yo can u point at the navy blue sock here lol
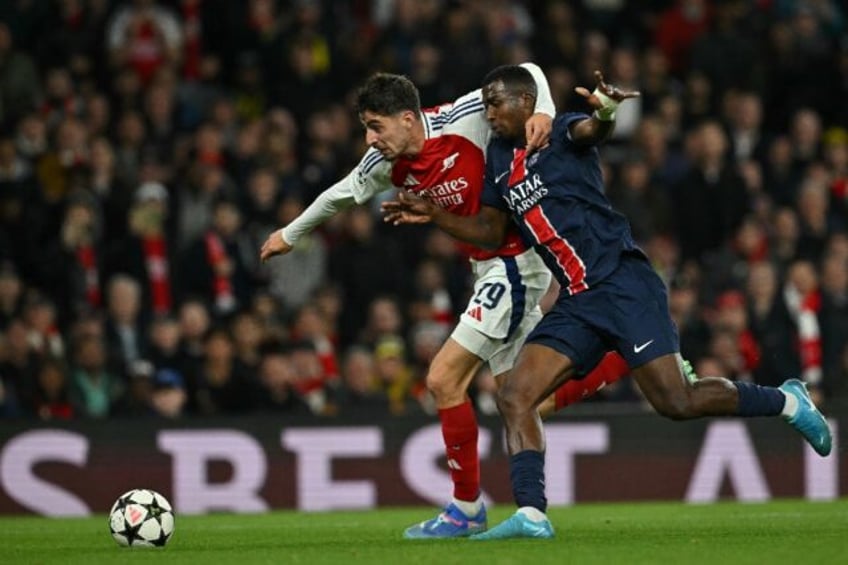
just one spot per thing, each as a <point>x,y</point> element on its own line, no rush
<point>756,400</point>
<point>527,475</point>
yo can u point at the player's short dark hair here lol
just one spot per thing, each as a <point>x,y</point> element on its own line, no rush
<point>515,78</point>
<point>387,94</point>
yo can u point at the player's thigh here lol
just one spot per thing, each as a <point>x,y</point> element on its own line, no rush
<point>661,379</point>
<point>454,365</point>
<point>503,358</point>
<point>632,311</point>
<point>538,371</point>
<point>505,290</point>
<point>566,329</point>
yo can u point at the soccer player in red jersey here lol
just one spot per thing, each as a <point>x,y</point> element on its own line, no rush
<point>440,153</point>
<point>611,294</point>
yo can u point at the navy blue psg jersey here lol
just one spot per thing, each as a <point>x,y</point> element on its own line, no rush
<point>556,197</point>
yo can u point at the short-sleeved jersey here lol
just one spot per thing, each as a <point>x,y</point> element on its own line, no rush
<point>449,169</point>
<point>556,198</point>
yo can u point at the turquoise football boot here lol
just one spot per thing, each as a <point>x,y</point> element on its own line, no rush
<point>809,422</point>
<point>518,526</point>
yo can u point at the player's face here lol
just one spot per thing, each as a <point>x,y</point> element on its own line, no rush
<point>390,135</point>
<point>506,111</point>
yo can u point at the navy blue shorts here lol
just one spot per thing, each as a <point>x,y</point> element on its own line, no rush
<point>626,312</point>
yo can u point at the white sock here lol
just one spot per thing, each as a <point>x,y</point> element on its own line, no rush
<point>470,509</point>
<point>534,514</point>
<point>790,407</point>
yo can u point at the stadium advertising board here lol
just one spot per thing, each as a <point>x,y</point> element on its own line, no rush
<point>256,464</point>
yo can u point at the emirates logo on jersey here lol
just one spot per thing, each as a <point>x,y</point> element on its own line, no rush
<point>448,193</point>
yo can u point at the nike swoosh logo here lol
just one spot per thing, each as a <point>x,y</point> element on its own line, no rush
<point>638,348</point>
<point>500,176</point>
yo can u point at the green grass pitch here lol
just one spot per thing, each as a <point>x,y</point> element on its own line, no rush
<point>668,533</point>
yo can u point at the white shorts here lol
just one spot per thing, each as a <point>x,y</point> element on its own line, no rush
<point>503,309</point>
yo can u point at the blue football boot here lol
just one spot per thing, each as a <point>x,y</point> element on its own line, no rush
<point>451,523</point>
<point>808,420</point>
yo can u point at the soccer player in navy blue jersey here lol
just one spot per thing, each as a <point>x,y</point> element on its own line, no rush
<point>441,152</point>
<point>610,299</point>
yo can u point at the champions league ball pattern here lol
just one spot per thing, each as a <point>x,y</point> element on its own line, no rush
<point>141,518</point>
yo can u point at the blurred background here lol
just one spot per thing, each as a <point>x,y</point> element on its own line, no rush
<point>148,147</point>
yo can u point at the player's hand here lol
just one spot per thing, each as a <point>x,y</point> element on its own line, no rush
<point>537,131</point>
<point>608,90</point>
<point>409,208</point>
<point>274,245</point>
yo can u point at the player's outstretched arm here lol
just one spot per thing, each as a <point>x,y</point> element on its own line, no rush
<point>329,203</point>
<point>605,100</point>
<point>486,229</point>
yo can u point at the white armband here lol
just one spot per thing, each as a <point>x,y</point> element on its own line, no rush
<point>606,113</point>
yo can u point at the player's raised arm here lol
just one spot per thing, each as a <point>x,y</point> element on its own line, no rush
<point>538,128</point>
<point>605,100</point>
<point>486,229</point>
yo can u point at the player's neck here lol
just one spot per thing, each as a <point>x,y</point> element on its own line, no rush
<point>416,141</point>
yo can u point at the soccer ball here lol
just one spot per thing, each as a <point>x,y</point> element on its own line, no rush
<point>141,518</point>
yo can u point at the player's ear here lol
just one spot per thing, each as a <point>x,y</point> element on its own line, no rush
<point>409,117</point>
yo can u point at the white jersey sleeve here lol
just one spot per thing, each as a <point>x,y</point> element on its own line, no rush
<point>467,115</point>
<point>544,100</point>
<point>371,176</point>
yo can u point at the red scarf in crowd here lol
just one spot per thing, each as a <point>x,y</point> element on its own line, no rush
<point>156,263</point>
<point>809,339</point>
<point>88,261</point>
<point>192,47</point>
<point>222,287</point>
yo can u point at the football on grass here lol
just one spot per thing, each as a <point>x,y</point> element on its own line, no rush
<point>141,518</point>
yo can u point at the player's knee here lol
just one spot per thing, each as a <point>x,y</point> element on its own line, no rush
<point>442,384</point>
<point>512,399</point>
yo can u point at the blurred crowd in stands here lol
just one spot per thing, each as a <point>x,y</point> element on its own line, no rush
<point>148,147</point>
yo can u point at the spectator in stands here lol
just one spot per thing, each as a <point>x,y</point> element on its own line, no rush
<point>215,265</point>
<point>248,337</point>
<point>194,323</point>
<point>146,253</point>
<point>360,386</point>
<point>815,220</point>
<point>833,318</point>
<point>358,266</point>
<point>125,327</point>
<point>223,385</point>
<point>144,36</point>
<point>294,277</point>
<point>95,392</point>
<point>164,343</point>
<point>771,327</point>
<point>710,201</point>
<point>19,84</point>
<point>51,399</point>
<point>18,368</point>
<point>168,396</point>
<point>11,294</point>
<point>395,376</point>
